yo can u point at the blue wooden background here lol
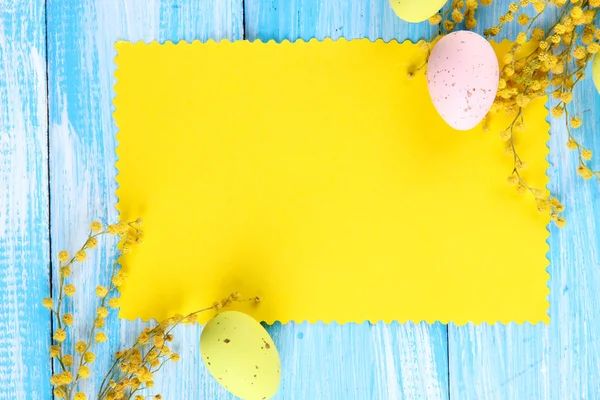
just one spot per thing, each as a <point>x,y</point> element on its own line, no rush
<point>57,174</point>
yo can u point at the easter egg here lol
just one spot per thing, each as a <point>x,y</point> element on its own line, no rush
<point>416,10</point>
<point>462,78</point>
<point>596,71</point>
<point>239,353</point>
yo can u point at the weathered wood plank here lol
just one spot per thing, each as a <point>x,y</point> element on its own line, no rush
<point>351,361</point>
<point>81,37</point>
<point>560,360</point>
<point>305,19</point>
<point>24,244</point>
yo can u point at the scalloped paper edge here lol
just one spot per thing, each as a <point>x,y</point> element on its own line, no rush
<point>510,322</point>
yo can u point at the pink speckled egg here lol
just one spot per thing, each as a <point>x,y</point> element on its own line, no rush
<point>462,77</point>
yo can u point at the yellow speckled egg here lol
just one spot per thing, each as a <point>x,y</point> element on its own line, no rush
<point>416,10</point>
<point>596,71</point>
<point>239,353</point>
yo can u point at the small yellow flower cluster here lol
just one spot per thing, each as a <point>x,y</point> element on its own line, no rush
<point>134,369</point>
<point>63,393</point>
<point>101,291</point>
<point>462,11</point>
<point>541,62</point>
<point>73,370</point>
<point>96,226</point>
<point>47,302</point>
<point>80,347</point>
<point>551,63</point>
<point>119,279</point>
<point>114,302</point>
<point>69,290</point>
<point>54,351</point>
<point>584,155</point>
<point>59,335</point>
<point>509,16</point>
<point>63,378</point>
<point>89,357</point>
<point>68,319</point>
<point>67,360</point>
<point>100,337</point>
<point>63,256</point>
<point>83,372</point>
<point>129,232</point>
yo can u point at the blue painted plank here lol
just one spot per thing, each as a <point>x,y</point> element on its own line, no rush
<point>348,362</point>
<point>362,361</point>
<point>82,144</point>
<point>560,360</point>
<point>498,362</point>
<point>81,37</point>
<point>351,361</point>
<point>24,244</point>
<point>293,19</point>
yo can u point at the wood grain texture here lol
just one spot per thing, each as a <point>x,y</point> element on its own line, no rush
<point>292,19</point>
<point>24,244</point>
<point>560,360</point>
<point>81,37</point>
<point>414,364</point>
<point>354,361</point>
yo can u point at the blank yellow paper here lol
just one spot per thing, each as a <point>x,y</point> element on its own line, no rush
<point>319,177</point>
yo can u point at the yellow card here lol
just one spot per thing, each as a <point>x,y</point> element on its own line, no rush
<point>319,177</point>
